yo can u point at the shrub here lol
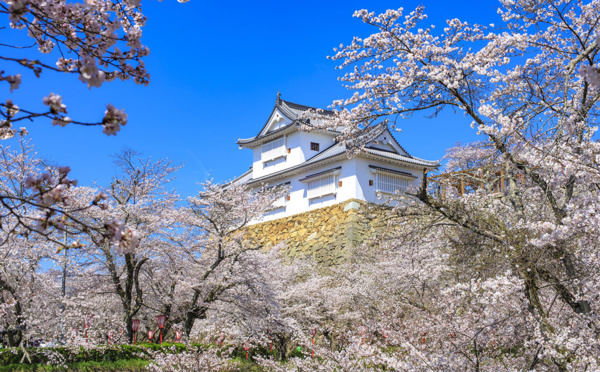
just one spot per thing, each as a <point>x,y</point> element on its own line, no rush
<point>77,354</point>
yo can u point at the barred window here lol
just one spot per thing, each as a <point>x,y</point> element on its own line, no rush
<point>273,150</point>
<point>320,187</point>
<point>390,183</point>
<point>314,146</point>
<point>279,202</point>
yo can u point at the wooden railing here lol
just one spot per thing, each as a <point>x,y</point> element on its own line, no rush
<point>467,181</point>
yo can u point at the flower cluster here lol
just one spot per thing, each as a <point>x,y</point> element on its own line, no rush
<point>13,80</point>
<point>47,190</point>
<point>6,129</point>
<point>590,74</point>
<point>113,119</point>
<point>89,72</point>
<point>125,238</point>
<point>103,39</point>
<point>17,8</point>
<point>100,197</point>
<point>55,103</point>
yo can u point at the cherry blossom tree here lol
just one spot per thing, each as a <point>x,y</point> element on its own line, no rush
<point>197,360</point>
<point>24,240</point>
<point>97,41</point>
<point>136,206</point>
<point>518,210</point>
<point>211,260</point>
<point>22,287</point>
<point>33,197</point>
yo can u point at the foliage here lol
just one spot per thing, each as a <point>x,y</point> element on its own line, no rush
<point>98,42</point>
<point>492,264</point>
<point>133,365</point>
<point>77,354</point>
<point>125,357</point>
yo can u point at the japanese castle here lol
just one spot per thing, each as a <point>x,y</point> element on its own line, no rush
<point>317,170</point>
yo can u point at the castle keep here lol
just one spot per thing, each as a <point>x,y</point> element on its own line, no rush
<point>325,187</point>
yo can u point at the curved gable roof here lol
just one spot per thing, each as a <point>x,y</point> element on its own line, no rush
<point>289,110</point>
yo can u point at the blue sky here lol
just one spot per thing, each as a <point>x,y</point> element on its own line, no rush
<point>215,71</point>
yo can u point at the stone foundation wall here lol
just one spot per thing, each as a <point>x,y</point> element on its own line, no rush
<point>324,233</point>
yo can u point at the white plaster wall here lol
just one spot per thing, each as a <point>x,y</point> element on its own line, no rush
<point>257,167</point>
<point>363,172</point>
<point>355,175</point>
<point>324,141</point>
<point>295,156</point>
<point>299,203</point>
<point>299,145</point>
<point>292,142</point>
<point>277,121</point>
<point>385,141</point>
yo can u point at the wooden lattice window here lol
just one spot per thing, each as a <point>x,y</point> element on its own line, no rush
<point>321,186</point>
<point>273,149</point>
<point>390,183</point>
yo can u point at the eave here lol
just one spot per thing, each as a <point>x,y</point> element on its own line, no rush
<point>297,169</point>
<point>415,163</point>
<point>395,158</point>
<point>375,169</point>
<point>250,143</point>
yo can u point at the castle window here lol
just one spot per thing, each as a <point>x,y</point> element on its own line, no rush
<point>390,183</point>
<point>277,207</point>
<point>321,183</point>
<point>273,150</point>
<point>314,146</point>
<point>320,187</point>
<point>279,202</point>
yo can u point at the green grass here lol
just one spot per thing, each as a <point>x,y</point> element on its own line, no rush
<point>133,365</point>
<point>247,365</point>
<point>130,362</point>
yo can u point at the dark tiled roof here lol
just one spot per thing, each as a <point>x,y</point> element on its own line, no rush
<point>278,185</point>
<point>398,143</point>
<point>250,140</point>
<point>243,178</point>
<point>390,151</point>
<point>299,107</point>
<point>376,130</point>
<point>392,171</point>
<point>291,111</point>
<point>320,173</point>
<point>392,155</point>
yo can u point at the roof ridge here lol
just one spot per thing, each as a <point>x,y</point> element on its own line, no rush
<point>411,159</point>
<point>302,107</point>
<point>286,110</point>
<point>385,127</point>
<point>398,143</point>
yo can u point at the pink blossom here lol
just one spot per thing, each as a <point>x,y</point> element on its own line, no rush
<point>55,103</point>
<point>15,81</point>
<point>113,119</point>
